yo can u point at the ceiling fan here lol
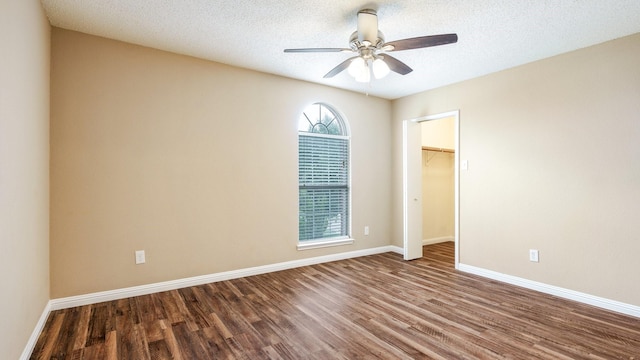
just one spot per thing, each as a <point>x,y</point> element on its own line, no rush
<point>368,42</point>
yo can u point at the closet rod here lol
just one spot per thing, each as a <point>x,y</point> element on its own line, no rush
<point>429,148</point>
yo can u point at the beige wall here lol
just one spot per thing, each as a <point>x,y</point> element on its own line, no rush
<point>439,133</point>
<point>438,196</point>
<point>24,172</point>
<point>195,162</point>
<point>553,150</point>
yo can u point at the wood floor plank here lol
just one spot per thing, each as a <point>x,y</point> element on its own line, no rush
<point>172,343</point>
<point>68,330</point>
<point>159,350</point>
<point>97,325</point>
<point>373,307</point>
<point>190,345</point>
<point>197,312</point>
<point>96,351</point>
<point>170,307</point>
<point>111,346</point>
<point>82,327</point>
<point>45,345</point>
<point>216,343</point>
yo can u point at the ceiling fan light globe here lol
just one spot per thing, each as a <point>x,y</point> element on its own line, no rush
<point>357,67</point>
<point>380,68</point>
<point>364,76</point>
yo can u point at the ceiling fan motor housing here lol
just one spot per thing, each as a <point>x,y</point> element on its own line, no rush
<point>367,26</point>
<point>356,44</point>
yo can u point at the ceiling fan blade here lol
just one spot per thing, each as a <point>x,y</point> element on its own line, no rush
<point>367,26</point>
<point>338,69</point>
<point>312,50</point>
<point>423,42</point>
<point>396,65</point>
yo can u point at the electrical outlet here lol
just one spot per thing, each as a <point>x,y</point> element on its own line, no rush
<point>366,230</point>
<point>533,255</point>
<point>140,258</point>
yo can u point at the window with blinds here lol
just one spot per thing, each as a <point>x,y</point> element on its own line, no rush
<point>323,175</point>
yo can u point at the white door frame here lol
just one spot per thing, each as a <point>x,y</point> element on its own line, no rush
<point>406,184</point>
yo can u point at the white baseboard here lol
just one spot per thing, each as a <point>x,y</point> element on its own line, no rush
<point>437,240</point>
<point>33,339</point>
<point>396,249</point>
<point>608,304</point>
<point>86,299</point>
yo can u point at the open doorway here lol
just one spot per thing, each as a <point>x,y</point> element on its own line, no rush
<point>438,179</point>
<point>413,169</point>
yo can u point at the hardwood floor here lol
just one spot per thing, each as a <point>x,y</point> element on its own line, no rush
<point>374,307</point>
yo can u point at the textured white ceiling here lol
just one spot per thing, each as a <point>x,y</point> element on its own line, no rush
<point>493,34</point>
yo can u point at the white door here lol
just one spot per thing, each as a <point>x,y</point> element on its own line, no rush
<point>412,189</point>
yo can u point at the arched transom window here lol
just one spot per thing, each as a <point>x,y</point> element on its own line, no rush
<point>320,119</point>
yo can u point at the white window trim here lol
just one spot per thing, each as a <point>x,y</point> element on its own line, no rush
<point>308,245</point>
<point>343,137</point>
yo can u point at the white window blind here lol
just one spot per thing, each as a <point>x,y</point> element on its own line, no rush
<point>323,187</point>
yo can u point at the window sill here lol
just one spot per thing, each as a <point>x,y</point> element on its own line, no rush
<point>308,245</point>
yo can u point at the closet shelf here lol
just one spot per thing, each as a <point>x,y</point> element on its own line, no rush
<point>429,148</point>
